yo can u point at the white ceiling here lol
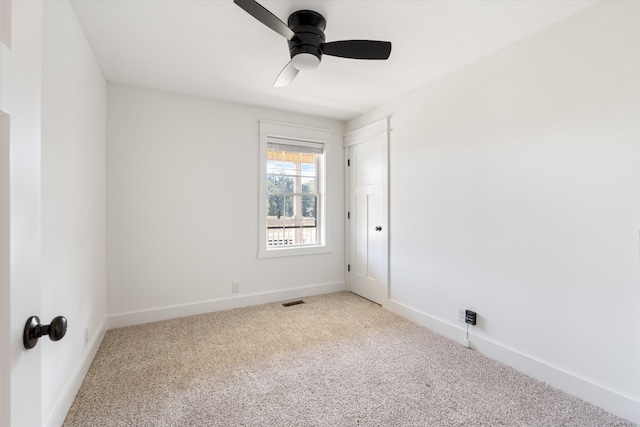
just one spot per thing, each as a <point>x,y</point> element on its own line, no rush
<point>214,49</point>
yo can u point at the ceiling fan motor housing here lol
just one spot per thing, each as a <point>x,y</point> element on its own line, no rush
<point>308,27</point>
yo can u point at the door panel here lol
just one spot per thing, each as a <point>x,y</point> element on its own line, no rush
<point>23,201</point>
<point>366,162</point>
<point>368,249</point>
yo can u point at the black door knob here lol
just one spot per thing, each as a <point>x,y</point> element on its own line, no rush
<point>378,228</point>
<point>33,330</point>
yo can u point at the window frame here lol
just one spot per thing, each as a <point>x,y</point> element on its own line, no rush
<point>290,134</point>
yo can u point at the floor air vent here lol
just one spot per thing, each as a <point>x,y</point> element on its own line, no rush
<point>289,304</point>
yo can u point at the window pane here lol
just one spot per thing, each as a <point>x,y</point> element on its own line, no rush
<point>292,193</point>
<point>288,206</point>
<point>309,231</point>
<point>280,184</point>
<point>275,206</point>
<point>275,167</point>
<point>309,185</point>
<point>290,168</point>
<point>309,169</point>
<point>271,184</point>
<point>279,206</point>
<point>309,204</point>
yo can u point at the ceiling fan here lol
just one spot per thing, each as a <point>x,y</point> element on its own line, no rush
<point>304,32</point>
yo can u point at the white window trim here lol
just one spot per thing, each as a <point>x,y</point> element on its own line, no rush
<point>275,130</point>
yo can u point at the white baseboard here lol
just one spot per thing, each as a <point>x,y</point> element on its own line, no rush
<point>609,400</point>
<point>69,393</point>
<point>172,312</point>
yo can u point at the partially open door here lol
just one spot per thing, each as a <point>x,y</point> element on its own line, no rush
<point>20,207</point>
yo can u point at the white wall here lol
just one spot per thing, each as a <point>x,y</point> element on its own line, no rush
<point>182,208</point>
<point>73,206</point>
<point>515,192</point>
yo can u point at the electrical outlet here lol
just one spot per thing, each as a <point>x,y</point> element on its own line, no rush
<point>235,287</point>
<point>470,317</point>
<point>461,314</point>
<point>86,336</point>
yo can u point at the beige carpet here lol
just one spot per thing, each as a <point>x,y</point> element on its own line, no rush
<point>337,360</point>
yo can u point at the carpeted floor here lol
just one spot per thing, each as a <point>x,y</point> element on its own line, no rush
<point>337,360</point>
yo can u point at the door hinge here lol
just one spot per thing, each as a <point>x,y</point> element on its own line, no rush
<point>348,162</point>
<point>348,267</point>
<point>348,215</point>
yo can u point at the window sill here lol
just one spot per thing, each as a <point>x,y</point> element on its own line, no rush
<point>293,251</point>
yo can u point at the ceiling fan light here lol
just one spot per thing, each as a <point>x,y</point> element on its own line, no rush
<point>305,61</point>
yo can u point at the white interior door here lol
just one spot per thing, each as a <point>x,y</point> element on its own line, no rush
<point>20,196</point>
<point>368,218</point>
<point>5,277</point>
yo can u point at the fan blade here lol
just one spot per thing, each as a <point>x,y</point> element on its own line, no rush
<point>286,76</point>
<point>259,12</point>
<point>358,49</point>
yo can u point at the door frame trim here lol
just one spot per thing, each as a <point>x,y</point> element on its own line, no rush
<point>367,132</point>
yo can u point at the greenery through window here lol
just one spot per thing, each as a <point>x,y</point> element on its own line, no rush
<point>293,173</point>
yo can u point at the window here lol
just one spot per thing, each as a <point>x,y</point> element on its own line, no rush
<point>293,198</point>
<point>293,183</point>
